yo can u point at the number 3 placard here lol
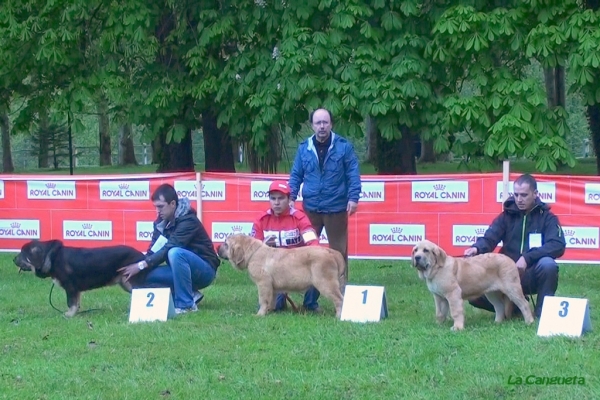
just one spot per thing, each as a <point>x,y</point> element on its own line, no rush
<point>154,304</point>
<point>364,304</point>
<point>564,316</point>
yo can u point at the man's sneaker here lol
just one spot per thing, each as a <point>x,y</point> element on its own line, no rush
<point>198,296</point>
<point>193,308</point>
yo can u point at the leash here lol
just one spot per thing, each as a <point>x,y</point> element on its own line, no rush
<point>62,312</point>
<point>50,299</point>
<point>294,307</point>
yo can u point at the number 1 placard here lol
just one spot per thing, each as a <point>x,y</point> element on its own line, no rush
<point>364,304</point>
<point>564,316</point>
<point>155,304</point>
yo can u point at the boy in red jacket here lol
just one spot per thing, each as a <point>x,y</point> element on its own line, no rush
<point>286,227</point>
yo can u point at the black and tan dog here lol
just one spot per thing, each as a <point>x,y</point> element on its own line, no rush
<point>77,269</point>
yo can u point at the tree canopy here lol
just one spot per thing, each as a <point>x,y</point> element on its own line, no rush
<point>453,72</point>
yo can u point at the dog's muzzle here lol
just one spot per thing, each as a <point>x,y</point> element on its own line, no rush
<point>421,263</point>
<point>221,252</point>
<point>23,266</point>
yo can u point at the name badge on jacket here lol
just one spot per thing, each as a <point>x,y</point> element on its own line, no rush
<point>535,240</point>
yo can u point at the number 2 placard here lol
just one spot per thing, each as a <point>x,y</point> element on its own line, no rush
<point>564,316</point>
<point>155,304</point>
<point>364,304</point>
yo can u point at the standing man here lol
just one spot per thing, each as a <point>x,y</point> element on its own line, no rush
<point>532,236</point>
<point>328,167</point>
<point>181,255</point>
<point>286,227</point>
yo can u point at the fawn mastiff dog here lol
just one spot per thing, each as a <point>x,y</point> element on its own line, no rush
<point>451,280</point>
<point>77,269</point>
<point>276,270</point>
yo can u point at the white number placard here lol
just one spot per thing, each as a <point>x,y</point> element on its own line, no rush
<point>153,304</point>
<point>564,316</point>
<point>364,304</point>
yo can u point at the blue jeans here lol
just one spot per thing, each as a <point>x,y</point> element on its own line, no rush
<point>185,273</point>
<point>310,300</point>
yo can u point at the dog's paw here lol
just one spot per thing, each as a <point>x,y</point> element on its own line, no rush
<point>71,312</point>
<point>457,328</point>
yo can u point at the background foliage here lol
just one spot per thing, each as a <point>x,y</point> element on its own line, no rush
<point>463,75</point>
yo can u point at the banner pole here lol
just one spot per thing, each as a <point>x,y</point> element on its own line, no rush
<point>505,181</point>
<point>199,196</point>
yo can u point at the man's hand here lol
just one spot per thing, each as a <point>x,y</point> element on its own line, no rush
<point>270,241</point>
<point>129,271</point>
<point>521,264</point>
<point>471,251</point>
<point>351,208</point>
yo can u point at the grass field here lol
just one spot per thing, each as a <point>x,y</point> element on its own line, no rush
<point>225,352</point>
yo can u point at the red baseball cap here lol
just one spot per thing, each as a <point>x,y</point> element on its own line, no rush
<point>280,186</point>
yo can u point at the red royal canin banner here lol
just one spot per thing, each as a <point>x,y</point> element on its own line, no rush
<point>394,213</point>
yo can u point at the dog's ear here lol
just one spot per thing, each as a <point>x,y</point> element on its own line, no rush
<point>53,246</point>
<point>412,257</point>
<point>440,255</point>
<point>236,253</point>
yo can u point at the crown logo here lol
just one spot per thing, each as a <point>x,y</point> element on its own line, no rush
<point>569,232</point>
<point>50,185</point>
<point>479,231</point>
<point>123,186</point>
<point>439,186</point>
<point>236,229</point>
<point>86,225</point>
<point>396,229</point>
<point>15,225</point>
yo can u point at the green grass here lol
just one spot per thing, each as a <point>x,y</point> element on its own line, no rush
<point>583,167</point>
<point>225,352</point>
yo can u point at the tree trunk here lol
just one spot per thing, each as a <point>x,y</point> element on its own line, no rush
<point>104,132</point>
<point>593,113</point>
<point>44,140</point>
<point>396,157</point>
<point>126,150</point>
<point>7,163</point>
<point>555,86</point>
<point>157,149</point>
<point>592,4</point>
<point>176,157</point>
<point>427,152</point>
<point>265,160</point>
<point>218,151</point>
<point>371,139</point>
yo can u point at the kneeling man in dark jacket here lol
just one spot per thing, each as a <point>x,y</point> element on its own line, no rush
<point>532,236</point>
<point>181,255</point>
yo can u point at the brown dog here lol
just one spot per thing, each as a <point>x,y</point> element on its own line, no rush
<point>279,270</point>
<point>451,280</point>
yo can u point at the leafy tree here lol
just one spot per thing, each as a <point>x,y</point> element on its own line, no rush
<point>452,73</point>
<point>582,29</point>
<point>56,137</point>
<point>491,46</point>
